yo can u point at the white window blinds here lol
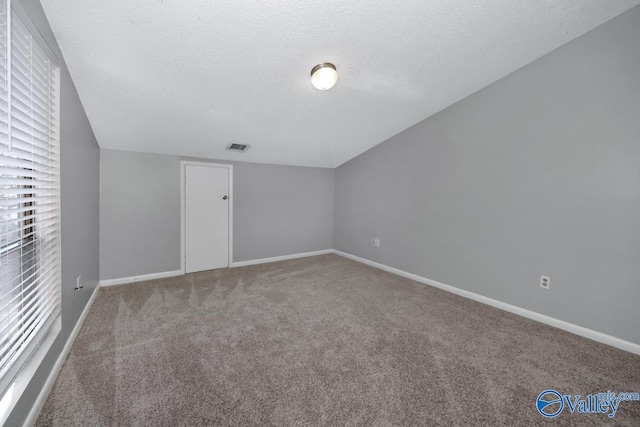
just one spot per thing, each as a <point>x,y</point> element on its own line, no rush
<point>29,192</point>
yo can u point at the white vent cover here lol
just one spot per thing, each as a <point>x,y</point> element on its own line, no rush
<point>237,147</point>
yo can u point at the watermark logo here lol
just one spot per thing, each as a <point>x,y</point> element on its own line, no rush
<point>550,403</point>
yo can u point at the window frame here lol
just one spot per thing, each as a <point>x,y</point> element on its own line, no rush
<point>37,346</point>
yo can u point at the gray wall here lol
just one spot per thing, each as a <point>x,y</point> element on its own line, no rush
<point>281,210</point>
<point>277,210</point>
<point>536,174</point>
<point>79,155</point>
<point>139,214</point>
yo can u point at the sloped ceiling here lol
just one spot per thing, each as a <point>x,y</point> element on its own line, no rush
<point>188,77</point>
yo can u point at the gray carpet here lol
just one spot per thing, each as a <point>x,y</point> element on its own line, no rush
<point>321,341</point>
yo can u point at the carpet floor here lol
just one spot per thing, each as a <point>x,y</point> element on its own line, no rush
<point>321,341</point>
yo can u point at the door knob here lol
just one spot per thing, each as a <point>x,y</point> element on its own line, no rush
<point>224,197</point>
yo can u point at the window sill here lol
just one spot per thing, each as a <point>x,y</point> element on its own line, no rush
<point>22,380</point>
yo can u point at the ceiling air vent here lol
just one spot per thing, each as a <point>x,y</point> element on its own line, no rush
<point>238,147</point>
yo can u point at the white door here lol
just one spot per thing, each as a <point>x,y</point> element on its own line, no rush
<point>206,218</point>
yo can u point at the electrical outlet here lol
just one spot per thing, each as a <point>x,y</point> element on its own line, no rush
<point>545,282</point>
<point>78,283</point>
<point>375,243</point>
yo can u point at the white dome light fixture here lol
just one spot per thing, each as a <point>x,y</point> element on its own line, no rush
<point>324,76</point>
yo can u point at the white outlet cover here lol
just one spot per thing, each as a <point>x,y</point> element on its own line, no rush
<point>545,282</point>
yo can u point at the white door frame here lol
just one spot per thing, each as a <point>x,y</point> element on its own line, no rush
<point>183,213</point>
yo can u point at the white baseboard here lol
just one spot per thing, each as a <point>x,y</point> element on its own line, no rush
<point>53,375</point>
<point>141,278</point>
<point>561,324</point>
<point>281,258</point>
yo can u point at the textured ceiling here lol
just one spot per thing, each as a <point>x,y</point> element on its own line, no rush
<point>189,77</point>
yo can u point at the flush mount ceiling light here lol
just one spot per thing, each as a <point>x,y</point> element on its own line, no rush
<point>324,76</point>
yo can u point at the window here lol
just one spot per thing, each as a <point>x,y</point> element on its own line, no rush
<point>29,192</point>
